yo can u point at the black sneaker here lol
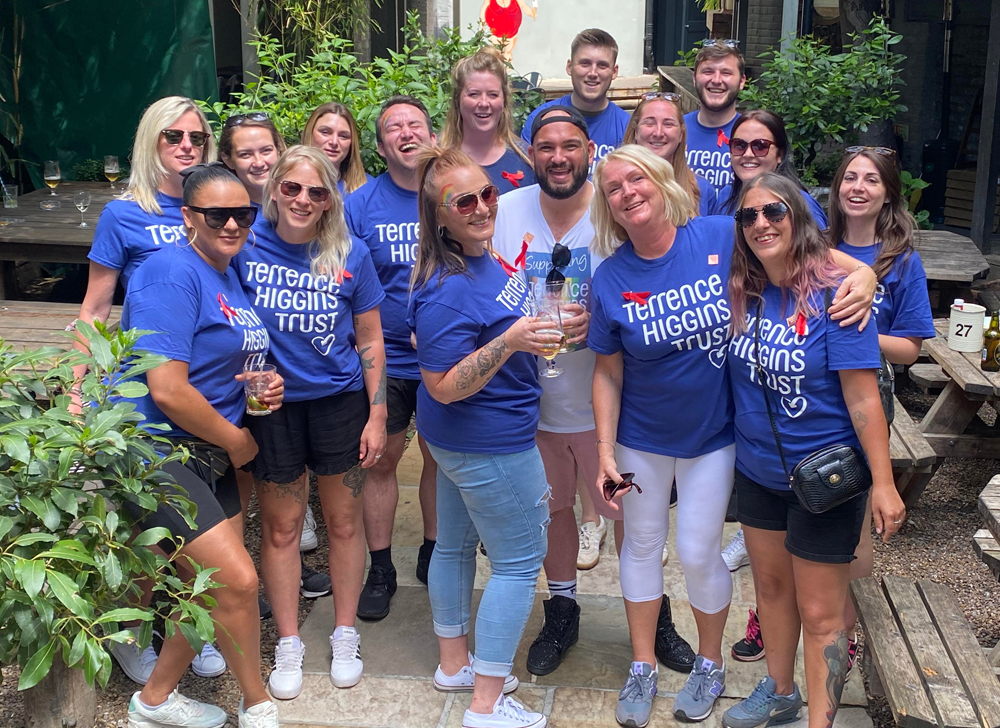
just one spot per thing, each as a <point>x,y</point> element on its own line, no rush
<point>379,588</point>
<point>264,607</point>
<point>560,631</point>
<point>673,495</point>
<point>424,562</point>
<point>313,584</point>
<point>751,647</point>
<point>671,649</point>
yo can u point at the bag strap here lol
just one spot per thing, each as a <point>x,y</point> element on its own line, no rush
<point>763,389</point>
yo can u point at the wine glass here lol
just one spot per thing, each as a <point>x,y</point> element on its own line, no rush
<point>547,309</point>
<point>82,200</point>
<point>559,291</point>
<point>52,176</point>
<point>111,169</point>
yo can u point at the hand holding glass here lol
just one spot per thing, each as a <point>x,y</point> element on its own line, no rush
<point>256,379</point>
<point>548,310</point>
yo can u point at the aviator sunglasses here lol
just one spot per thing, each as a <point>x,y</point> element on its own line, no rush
<point>611,487</point>
<point>293,189</point>
<point>727,42</point>
<point>881,151</point>
<point>757,147</point>
<point>466,204</point>
<point>238,119</point>
<point>774,212</point>
<point>175,136</point>
<point>217,217</point>
<point>665,95</point>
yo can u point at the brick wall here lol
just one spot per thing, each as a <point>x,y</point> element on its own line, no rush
<point>763,31</point>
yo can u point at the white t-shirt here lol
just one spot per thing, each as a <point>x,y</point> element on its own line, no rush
<point>566,404</point>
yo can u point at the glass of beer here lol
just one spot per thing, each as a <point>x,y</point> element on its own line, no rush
<point>547,309</point>
<point>111,169</point>
<point>52,176</point>
<point>256,379</point>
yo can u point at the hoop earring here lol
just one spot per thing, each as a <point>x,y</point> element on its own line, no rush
<point>254,235</point>
<point>191,237</point>
<point>441,232</point>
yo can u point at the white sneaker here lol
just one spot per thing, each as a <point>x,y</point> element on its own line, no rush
<point>285,682</point>
<point>346,666</point>
<point>209,662</point>
<point>591,539</point>
<point>507,713</point>
<point>735,554</point>
<point>262,715</point>
<point>464,681</point>
<point>137,664</point>
<point>176,711</point>
<point>308,540</point>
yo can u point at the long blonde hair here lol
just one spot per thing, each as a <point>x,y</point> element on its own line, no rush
<point>609,235</point>
<point>333,240</point>
<point>487,60</point>
<point>148,171</point>
<point>352,170</point>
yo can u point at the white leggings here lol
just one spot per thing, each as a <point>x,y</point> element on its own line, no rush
<point>704,485</point>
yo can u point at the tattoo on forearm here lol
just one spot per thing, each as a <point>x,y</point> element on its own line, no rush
<point>477,365</point>
<point>465,375</point>
<point>835,655</point>
<point>379,397</point>
<point>355,479</point>
<point>490,355</point>
<point>368,363</point>
<point>860,421</point>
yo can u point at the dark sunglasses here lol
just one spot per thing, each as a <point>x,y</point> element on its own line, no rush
<point>240,118</point>
<point>775,212</point>
<point>758,147</point>
<point>611,487</point>
<point>175,136</point>
<point>665,95</point>
<point>727,42</point>
<point>217,217</point>
<point>467,204</point>
<point>881,151</point>
<point>293,189</point>
<point>561,257</point>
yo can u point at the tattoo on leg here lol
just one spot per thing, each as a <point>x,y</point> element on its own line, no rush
<point>355,479</point>
<point>379,397</point>
<point>294,489</point>
<point>262,486</point>
<point>835,655</point>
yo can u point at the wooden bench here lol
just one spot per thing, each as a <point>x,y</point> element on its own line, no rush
<point>913,459</point>
<point>987,550</point>
<point>929,377</point>
<point>921,654</point>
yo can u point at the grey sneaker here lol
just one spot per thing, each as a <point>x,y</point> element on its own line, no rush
<point>764,707</point>
<point>635,701</point>
<point>703,687</point>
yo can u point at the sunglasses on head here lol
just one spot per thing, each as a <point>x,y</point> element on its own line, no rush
<point>881,151</point>
<point>561,257</point>
<point>665,95</point>
<point>293,189</point>
<point>217,217</point>
<point>611,487</point>
<point>775,212</point>
<point>466,204</point>
<point>175,136</point>
<point>240,118</point>
<point>727,42</point>
<point>757,147</point>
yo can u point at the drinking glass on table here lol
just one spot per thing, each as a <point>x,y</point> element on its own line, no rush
<point>111,169</point>
<point>82,201</point>
<point>257,376</point>
<point>52,176</point>
<point>547,309</point>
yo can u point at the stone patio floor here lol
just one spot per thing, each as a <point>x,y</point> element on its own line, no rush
<point>400,652</point>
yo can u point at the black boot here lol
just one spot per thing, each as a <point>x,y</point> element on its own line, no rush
<point>379,588</point>
<point>560,631</point>
<point>424,560</point>
<point>671,649</point>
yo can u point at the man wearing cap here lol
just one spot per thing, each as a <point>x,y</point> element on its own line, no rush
<point>719,76</point>
<point>547,225</point>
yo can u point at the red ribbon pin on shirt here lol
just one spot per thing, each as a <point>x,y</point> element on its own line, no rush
<point>722,139</point>
<point>640,297</point>
<point>521,261</point>
<point>507,267</point>
<point>801,325</point>
<point>227,310</point>
<point>513,177</point>
<point>342,275</point>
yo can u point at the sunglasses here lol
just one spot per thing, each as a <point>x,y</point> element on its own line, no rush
<point>240,118</point>
<point>293,189</point>
<point>757,147</point>
<point>175,136</point>
<point>467,204</point>
<point>665,95</point>
<point>217,217</point>
<point>727,42</point>
<point>881,151</point>
<point>775,212</point>
<point>611,487</point>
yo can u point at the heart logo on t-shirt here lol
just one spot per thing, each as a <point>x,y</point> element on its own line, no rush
<point>717,357</point>
<point>322,344</point>
<point>794,406</point>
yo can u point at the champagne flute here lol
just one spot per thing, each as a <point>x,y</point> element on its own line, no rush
<point>111,169</point>
<point>82,200</point>
<point>52,176</point>
<point>547,309</point>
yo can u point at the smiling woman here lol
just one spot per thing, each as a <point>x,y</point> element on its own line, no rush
<point>332,129</point>
<point>250,145</point>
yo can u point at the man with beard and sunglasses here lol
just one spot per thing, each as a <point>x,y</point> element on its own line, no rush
<point>719,76</point>
<point>546,230</point>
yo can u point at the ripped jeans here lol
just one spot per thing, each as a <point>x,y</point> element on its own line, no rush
<point>503,500</point>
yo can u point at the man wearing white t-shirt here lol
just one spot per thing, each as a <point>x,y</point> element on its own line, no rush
<point>546,227</point>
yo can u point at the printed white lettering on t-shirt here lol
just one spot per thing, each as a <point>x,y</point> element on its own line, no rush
<point>283,289</point>
<point>512,296</point>
<point>681,315</point>
<point>403,232</point>
<point>714,166</point>
<point>403,253</point>
<point>166,233</point>
<point>602,151</point>
<point>781,358</point>
<point>879,297</point>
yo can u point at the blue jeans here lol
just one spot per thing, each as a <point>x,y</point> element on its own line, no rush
<point>503,500</point>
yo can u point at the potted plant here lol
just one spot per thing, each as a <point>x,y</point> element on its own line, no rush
<point>71,555</point>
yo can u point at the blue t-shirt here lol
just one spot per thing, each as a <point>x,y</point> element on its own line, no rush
<point>707,152</point>
<point>675,399</point>
<point>724,206</point>
<point>706,202</point>
<point>804,387</point>
<point>510,172</point>
<point>607,128</point>
<point>345,195</point>
<point>199,316</point>
<point>385,217</point>
<point>310,318</point>
<point>452,319</point>
<point>126,234</point>
<point>901,306</point>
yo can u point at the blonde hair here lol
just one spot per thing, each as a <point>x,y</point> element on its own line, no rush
<point>485,60</point>
<point>148,172</point>
<point>609,235</point>
<point>333,240</point>
<point>352,170</point>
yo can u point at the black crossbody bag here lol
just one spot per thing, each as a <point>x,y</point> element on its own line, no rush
<point>823,479</point>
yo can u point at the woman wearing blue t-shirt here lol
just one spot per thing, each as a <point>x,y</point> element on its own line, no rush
<point>315,288</point>
<point>331,129</point>
<point>658,124</point>
<point>477,408</point>
<point>250,145</point>
<point>481,121</point>
<point>819,381</point>
<point>202,323</point>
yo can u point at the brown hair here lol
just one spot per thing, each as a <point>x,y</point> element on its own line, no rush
<point>682,173</point>
<point>352,171</point>
<point>228,130</point>
<point>894,225</point>
<point>786,167</point>
<point>719,52</point>
<point>594,37</point>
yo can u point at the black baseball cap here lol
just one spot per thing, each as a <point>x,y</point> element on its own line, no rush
<point>570,115</point>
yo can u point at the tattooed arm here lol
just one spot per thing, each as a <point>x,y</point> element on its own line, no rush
<point>860,388</point>
<point>371,350</point>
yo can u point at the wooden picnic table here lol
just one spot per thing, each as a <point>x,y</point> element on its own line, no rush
<point>950,258</point>
<point>985,541</point>
<point>49,236</point>
<point>34,324</point>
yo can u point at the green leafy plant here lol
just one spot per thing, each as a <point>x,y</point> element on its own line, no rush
<point>826,98</point>
<point>92,170</point>
<point>71,567</point>
<point>913,188</point>
<point>687,58</point>
<point>299,25</point>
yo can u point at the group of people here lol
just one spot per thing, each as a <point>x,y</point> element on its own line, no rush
<point>700,354</point>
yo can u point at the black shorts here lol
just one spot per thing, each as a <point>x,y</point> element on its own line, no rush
<point>321,434</point>
<point>401,401</point>
<point>828,538</point>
